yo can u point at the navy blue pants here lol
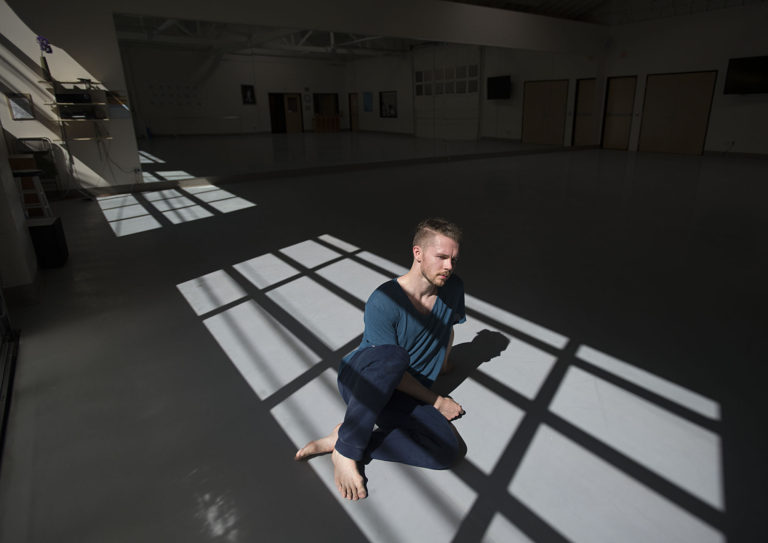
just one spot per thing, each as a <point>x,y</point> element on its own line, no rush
<point>409,431</point>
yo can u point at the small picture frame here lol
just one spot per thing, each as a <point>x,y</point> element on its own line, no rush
<point>388,104</point>
<point>248,94</point>
<point>368,102</point>
<point>21,106</point>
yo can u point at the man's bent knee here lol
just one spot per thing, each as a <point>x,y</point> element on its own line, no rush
<point>393,354</point>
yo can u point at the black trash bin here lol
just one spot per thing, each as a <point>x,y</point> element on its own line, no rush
<point>49,241</point>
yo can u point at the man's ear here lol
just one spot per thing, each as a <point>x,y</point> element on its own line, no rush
<point>417,253</point>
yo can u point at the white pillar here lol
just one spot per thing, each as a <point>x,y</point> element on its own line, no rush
<point>18,264</point>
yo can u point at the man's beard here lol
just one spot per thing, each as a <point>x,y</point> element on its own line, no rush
<point>438,280</point>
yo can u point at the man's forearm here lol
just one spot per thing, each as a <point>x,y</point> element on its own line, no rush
<point>409,385</point>
<point>448,407</point>
<point>445,367</point>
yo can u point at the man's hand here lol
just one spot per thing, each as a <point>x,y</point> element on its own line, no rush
<point>448,407</point>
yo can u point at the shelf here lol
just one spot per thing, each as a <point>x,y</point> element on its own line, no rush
<point>70,120</point>
<point>88,139</point>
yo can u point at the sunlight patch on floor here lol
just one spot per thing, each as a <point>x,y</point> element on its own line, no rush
<point>320,286</point>
<point>132,214</point>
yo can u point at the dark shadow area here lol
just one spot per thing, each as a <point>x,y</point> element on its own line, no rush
<point>9,348</point>
<point>465,358</point>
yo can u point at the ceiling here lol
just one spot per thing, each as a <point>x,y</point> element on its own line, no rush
<point>610,12</point>
<point>232,38</point>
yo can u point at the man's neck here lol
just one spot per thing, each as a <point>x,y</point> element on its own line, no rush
<point>416,285</point>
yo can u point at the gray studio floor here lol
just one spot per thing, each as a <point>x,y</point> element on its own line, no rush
<point>612,365</point>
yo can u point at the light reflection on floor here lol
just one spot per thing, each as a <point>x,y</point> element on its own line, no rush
<point>285,318</point>
<point>146,158</point>
<point>133,213</point>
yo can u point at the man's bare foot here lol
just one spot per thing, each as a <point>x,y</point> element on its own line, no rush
<point>348,479</point>
<point>324,445</point>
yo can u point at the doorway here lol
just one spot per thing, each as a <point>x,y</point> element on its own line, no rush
<point>285,113</point>
<point>544,108</point>
<point>676,112</point>
<point>619,106</point>
<point>327,118</point>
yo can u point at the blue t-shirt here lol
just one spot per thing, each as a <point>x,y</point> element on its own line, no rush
<point>392,319</point>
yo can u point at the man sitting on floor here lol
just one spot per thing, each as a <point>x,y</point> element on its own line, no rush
<point>386,381</point>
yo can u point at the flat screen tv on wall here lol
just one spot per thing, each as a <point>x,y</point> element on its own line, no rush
<point>747,76</point>
<point>500,87</point>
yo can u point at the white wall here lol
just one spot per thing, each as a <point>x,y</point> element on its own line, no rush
<point>504,118</point>
<point>18,265</point>
<point>453,115</point>
<point>97,163</point>
<point>189,92</point>
<point>374,75</point>
<point>697,43</point>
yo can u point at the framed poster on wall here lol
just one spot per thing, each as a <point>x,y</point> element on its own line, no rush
<point>368,102</point>
<point>388,104</point>
<point>248,94</point>
<point>21,107</point>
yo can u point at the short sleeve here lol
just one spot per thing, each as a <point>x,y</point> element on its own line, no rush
<point>381,316</point>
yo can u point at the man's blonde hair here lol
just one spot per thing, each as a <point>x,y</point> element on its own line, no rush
<point>435,225</point>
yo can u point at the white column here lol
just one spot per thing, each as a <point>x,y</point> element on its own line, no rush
<point>18,265</point>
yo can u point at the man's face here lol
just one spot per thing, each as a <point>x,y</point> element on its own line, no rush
<point>437,258</point>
